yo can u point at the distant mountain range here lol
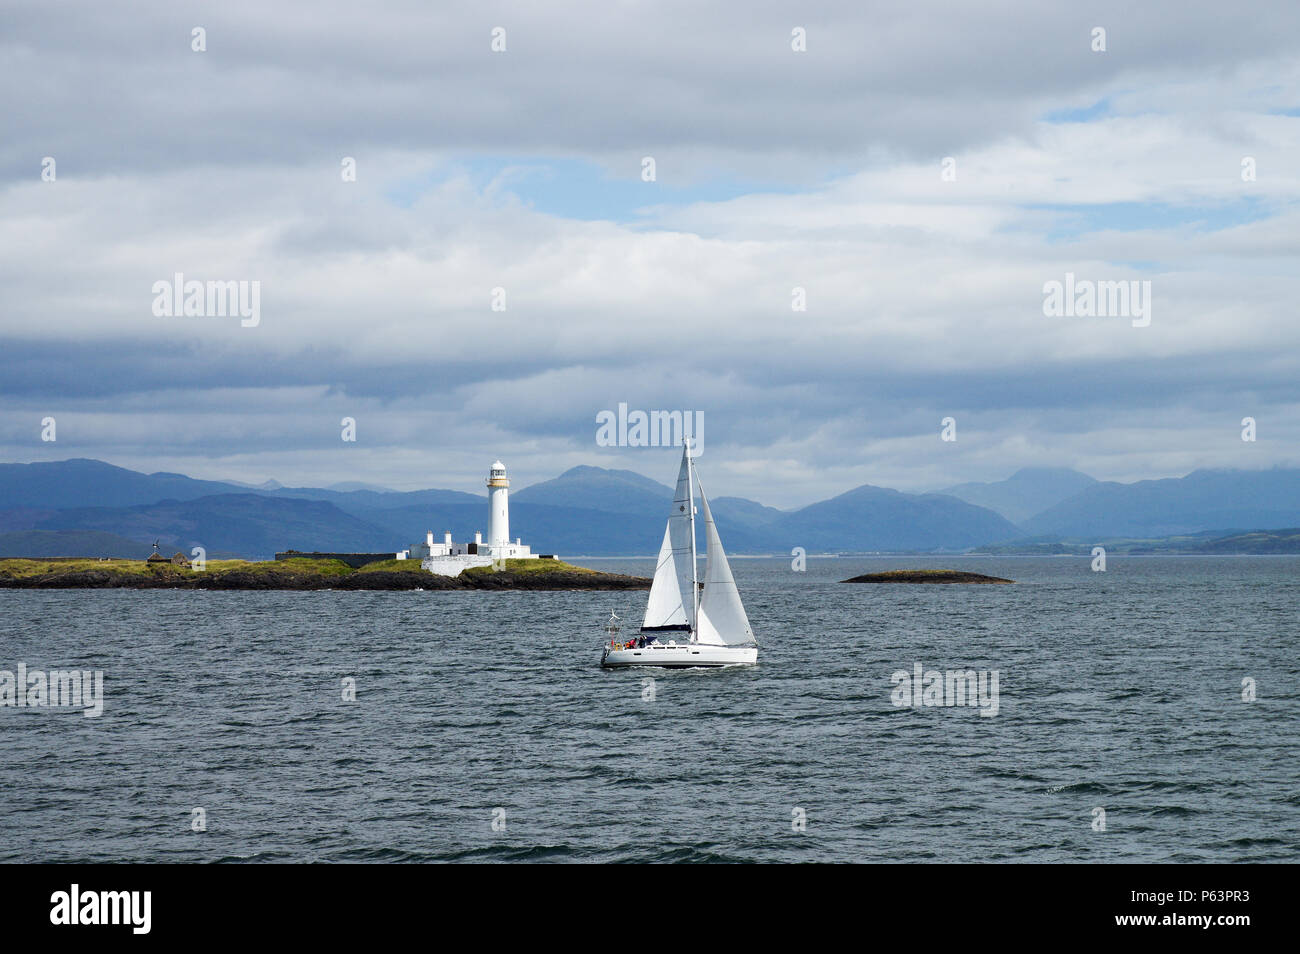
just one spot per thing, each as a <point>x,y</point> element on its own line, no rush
<point>91,508</point>
<point>1203,500</point>
<point>1025,493</point>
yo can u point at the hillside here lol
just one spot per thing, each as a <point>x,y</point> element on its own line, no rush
<point>77,507</point>
<point>249,524</point>
<point>1284,541</point>
<point>876,519</point>
<point>1203,500</point>
<point>1025,493</point>
<point>70,543</point>
<point>595,488</point>
<point>81,482</point>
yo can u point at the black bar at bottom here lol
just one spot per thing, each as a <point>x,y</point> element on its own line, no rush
<point>331,903</point>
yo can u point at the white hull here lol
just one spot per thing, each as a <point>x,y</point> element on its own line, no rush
<point>679,656</point>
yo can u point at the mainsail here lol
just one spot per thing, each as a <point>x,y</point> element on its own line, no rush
<point>672,602</point>
<point>664,608</point>
<point>722,619</point>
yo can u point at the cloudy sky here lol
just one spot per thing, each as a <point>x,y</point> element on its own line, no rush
<point>775,169</point>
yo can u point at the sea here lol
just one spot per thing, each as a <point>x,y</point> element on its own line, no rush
<point>1146,713</point>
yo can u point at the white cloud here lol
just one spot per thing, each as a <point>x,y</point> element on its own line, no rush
<point>924,296</point>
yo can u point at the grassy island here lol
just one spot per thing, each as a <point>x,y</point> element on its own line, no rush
<point>302,574</point>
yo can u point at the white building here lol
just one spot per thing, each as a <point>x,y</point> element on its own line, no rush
<point>449,558</point>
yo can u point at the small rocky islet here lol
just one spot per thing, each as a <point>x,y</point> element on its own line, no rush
<point>926,576</point>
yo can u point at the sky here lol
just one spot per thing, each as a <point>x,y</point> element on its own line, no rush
<point>823,169</point>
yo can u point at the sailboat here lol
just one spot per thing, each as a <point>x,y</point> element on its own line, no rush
<point>688,622</point>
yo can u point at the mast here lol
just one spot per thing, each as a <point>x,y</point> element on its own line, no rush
<point>695,585</point>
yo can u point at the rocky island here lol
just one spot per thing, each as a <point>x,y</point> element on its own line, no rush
<point>302,574</point>
<point>926,576</point>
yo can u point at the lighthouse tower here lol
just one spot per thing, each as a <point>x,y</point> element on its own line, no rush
<point>498,508</point>
<point>449,558</point>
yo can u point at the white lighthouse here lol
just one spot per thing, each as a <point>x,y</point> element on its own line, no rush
<point>449,558</point>
<point>498,508</point>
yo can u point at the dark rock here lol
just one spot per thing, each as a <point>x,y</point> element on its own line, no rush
<point>553,580</point>
<point>926,576</point>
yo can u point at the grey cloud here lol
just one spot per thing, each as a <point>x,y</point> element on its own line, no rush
<point>117,89</point>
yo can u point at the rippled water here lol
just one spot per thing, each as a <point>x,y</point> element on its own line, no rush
<point>1119,690</point>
